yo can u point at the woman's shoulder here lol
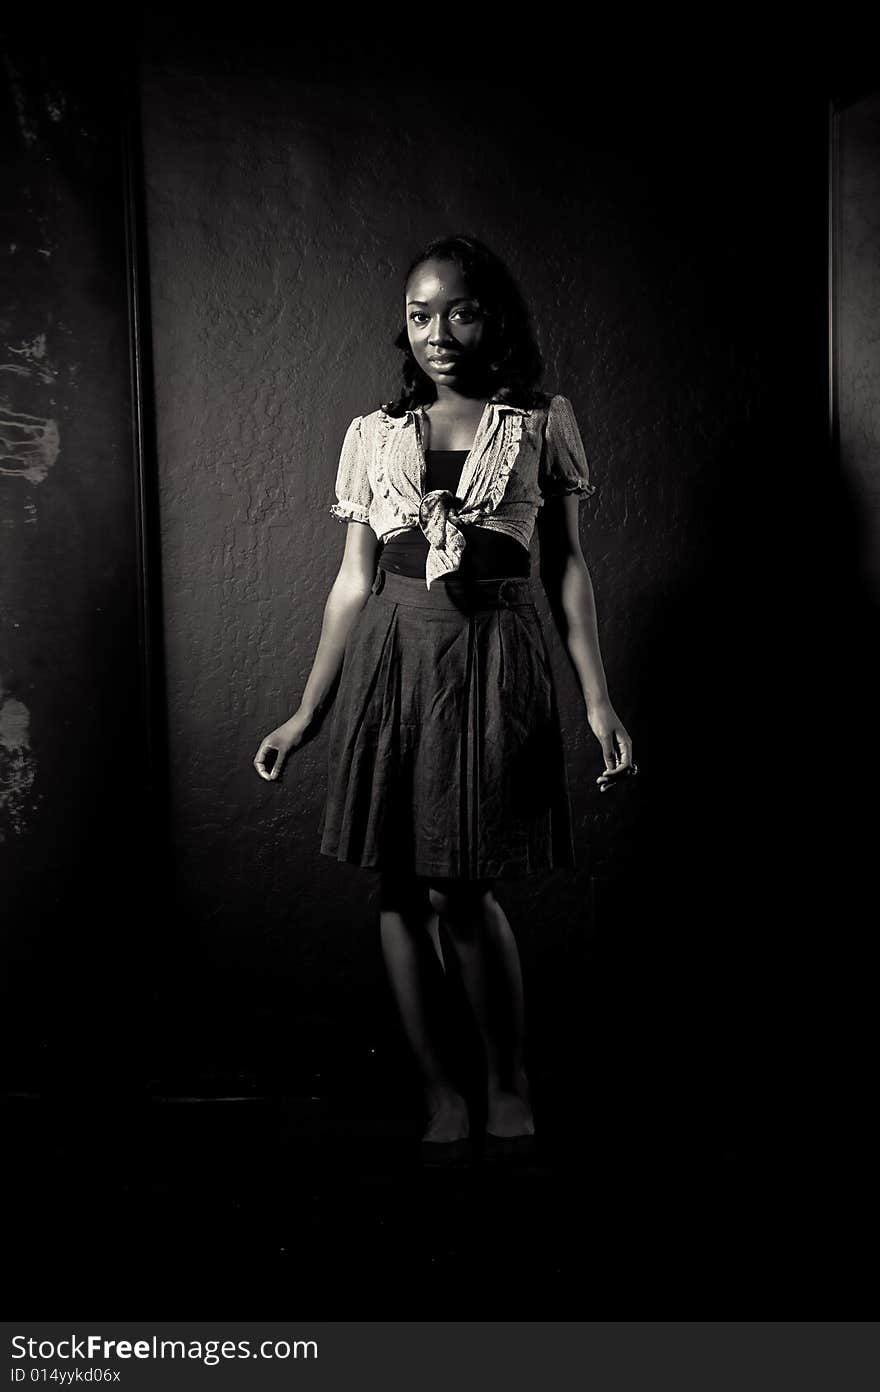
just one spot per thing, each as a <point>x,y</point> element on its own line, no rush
<point>368,433</point>
<point>375,426</point>
<point>557,403</point>
<point>559,413</point>
<point>546,409</point>
<point>544,405</point>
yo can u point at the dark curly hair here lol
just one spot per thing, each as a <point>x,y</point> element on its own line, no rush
<point>515,364</point>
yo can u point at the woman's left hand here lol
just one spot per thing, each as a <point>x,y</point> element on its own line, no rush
<point>616,744</point>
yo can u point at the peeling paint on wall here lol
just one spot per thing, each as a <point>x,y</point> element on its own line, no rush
<point>29,445</point>
<point>26,124</point>
<point>17,766</point>
<point>74,833</point>
<point>35,363</point>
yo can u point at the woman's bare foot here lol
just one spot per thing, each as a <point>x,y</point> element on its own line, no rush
<point>509,1115</point>
<point>447,1116</point>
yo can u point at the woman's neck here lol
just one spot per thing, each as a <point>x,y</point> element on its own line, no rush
<point>452,399</point>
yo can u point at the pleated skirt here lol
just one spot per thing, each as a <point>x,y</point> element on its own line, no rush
<point>445,756</point>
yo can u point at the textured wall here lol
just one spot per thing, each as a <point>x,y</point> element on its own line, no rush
<point>284,199</point>
<point>70,742</point>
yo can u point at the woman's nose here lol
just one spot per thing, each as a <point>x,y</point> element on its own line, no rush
<point>439,333</point>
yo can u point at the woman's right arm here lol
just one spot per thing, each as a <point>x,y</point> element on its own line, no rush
<point>348,595</point>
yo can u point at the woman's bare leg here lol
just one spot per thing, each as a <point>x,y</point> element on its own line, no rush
<point>486,950</point>
<point>409,931</point>
<point>502,944</point>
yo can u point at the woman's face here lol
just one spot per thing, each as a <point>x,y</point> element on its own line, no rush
<point>444,322</point>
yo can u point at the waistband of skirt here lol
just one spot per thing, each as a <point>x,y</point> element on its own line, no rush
<point>507,592</point>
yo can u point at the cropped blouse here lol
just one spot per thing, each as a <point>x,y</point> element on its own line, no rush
<point>518,459</point>
<point>488,553</point>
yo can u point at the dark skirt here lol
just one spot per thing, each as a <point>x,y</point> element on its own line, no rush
<point>445,753</point>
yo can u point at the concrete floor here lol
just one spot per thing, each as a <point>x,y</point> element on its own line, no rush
<point>262,1207</point>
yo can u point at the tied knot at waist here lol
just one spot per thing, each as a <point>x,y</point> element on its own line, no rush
<point>441,517</point>
<point>441,512</point>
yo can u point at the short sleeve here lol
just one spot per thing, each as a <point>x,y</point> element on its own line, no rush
<point>353,491</point>
<point>563,467</point>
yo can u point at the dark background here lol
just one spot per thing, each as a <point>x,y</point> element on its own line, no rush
<point>173,935</point>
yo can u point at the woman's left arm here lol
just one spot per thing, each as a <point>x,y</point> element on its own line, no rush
<point>569,589</point>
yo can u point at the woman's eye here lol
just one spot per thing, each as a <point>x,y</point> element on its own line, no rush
<point>418,318</point>
<point>466,316</point>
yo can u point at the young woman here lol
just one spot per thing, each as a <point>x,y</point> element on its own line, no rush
<point>446,767</point>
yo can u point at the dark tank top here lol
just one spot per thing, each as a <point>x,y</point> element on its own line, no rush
<point>488,555</point>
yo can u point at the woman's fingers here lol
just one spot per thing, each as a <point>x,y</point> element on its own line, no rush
<point>616,750</point>
<point>608,751</point>
<point>260,760</point>
<point>279,742</point>
<point>622,760</point>
<point>624,745</point>
<point>605,780</point>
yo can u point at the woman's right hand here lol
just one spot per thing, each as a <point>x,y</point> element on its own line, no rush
<point>288,736</point>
